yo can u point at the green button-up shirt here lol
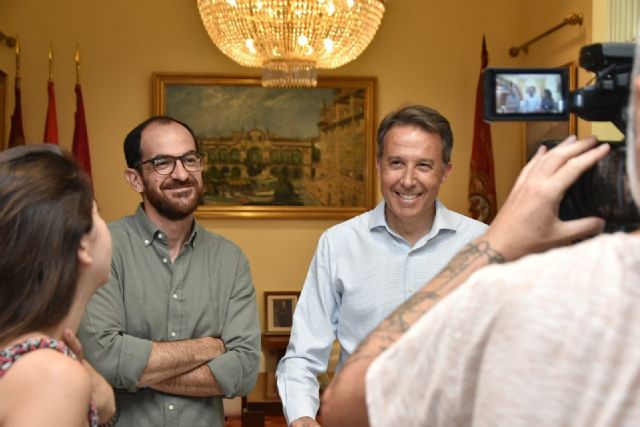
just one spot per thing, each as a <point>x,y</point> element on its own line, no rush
<point>207,291</point>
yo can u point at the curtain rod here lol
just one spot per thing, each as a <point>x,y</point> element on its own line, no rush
<point>572,19</point>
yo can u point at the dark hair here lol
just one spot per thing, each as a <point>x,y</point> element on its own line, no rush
<point>132,152</point>
<point>45,209</point>
<point>423,117</point>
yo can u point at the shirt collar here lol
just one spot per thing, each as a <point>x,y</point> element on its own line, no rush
<point>444,220</point>
<point>150,231</point>
<point>377,219</point>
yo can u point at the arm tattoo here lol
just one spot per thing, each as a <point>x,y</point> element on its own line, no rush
<point>404,316</point>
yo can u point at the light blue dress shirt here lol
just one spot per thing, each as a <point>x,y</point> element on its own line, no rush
<point>361,271</point>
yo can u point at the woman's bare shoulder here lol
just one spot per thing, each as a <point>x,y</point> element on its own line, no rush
<point>47,387</point>
<point>44,365</point>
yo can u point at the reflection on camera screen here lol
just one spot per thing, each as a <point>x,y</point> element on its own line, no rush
<point>529,93</point>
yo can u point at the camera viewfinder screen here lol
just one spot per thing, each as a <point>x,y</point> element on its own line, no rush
<point>526,95</point>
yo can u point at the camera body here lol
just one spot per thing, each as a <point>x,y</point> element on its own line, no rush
<point>543,94</point>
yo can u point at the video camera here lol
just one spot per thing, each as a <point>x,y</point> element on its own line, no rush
<point>526,94</point>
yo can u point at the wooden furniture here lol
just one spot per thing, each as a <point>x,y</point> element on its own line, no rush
<point>274,346</point>
<point>264,400</point>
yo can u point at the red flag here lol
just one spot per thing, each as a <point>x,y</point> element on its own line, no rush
<point>80,148</point>
<point>482,182</point>
<point>51,125</point>
<point>16,133</point>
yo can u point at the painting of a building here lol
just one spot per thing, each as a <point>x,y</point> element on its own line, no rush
<point>278,147</point>
<point>339,178</point>
<point>257,167</point>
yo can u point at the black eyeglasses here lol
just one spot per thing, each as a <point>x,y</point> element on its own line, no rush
<point>165,164</point>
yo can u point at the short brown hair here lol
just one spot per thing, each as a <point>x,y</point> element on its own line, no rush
<point>46,208</point>
<point>132,142</point>
<point>422,117</point>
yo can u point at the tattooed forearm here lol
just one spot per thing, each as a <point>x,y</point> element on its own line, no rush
<point>472,257</point>
<point>470,254</point>
<point>348,385</point>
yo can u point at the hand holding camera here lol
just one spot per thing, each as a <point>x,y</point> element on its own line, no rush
<point>603,190</point>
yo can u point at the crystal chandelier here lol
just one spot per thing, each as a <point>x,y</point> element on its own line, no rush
<point>290,39</point>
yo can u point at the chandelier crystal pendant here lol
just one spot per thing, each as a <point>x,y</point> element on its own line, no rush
<point>291,39</point>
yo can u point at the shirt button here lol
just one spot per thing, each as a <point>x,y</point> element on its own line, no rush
<point>164,260</point>
<point>173,334</point>
<point>171,407</point>
<point>146,241</point>
<point>175,296</point>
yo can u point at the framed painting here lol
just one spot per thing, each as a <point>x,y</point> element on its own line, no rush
<point>278,309</point>
<point>537,132</point>
<point>278,152</point>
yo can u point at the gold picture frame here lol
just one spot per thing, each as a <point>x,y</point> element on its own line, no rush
<point>278,152</point>
<point>536,132</point>
<point>279,307</point>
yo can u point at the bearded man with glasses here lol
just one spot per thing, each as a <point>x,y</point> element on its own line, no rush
<point>175,329</point>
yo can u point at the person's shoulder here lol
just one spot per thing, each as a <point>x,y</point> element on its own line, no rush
<point>573,265</point>
<point>213,239</point>
<point>46,368</point>
<point>604,250</point>
<point>603,245</point>
<point>346,229</point>
<point>463,222</point>
<point>559,285</point>
<point>121,227</point>
<point>471,223</point>
<point>126,238</point>
<point>46,383</point>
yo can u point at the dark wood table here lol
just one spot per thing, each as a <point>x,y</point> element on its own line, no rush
<point>262,401</point>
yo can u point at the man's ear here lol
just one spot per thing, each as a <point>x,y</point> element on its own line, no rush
<point>133,177</point>
<point>446,171</point>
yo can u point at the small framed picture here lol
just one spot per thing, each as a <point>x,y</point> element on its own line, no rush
<point>279,308</point>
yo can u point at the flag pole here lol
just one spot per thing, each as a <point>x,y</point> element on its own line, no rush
<point>50,62</point>
<point>17,58</point>
<point>16,133</point>
<point>77,58</point>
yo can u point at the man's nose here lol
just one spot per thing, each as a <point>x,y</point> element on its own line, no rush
<point>179,172</point>
<point>408,177</point>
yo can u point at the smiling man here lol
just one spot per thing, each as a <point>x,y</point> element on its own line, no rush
<point>366,267</point>
<point>175,329</point>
